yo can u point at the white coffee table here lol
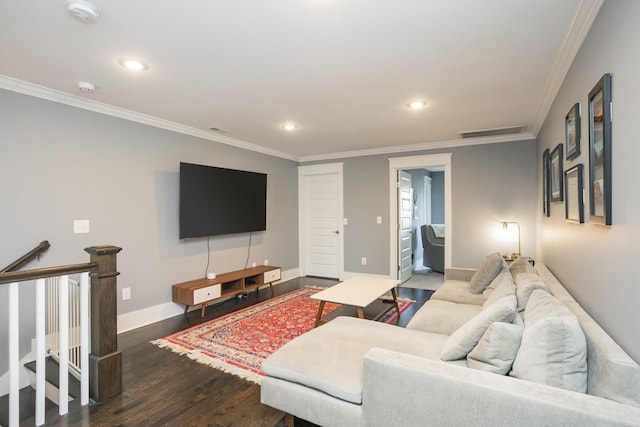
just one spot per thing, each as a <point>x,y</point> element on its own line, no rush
<point>359,291</point>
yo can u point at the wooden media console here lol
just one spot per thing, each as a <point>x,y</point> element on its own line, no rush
<point>202,291</point>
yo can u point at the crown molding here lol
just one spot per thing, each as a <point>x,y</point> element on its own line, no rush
<point>582,21</point>
<point>427,146</point>
<point>42,92</point>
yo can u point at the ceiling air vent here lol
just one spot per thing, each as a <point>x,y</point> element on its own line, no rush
<point>492,132</point>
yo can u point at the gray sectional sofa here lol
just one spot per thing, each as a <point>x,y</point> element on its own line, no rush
<point>498,346</point>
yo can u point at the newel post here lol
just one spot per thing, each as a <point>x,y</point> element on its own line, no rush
<point>105,361</point>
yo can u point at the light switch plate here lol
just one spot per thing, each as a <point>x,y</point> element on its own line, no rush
<point>80,226</point>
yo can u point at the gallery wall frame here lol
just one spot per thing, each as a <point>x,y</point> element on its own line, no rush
<point>572,132</point>
<point>574,194</point>
<point>556,175</point>
<point>546,207</point>
<point>600,208</point>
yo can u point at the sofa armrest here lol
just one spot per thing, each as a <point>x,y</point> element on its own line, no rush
<point>404,390</point>
<point>463,274</point>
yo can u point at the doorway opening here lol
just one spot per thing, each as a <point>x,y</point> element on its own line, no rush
<point>417,168</point>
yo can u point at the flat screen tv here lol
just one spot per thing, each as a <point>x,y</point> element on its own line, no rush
<point>215,201</point>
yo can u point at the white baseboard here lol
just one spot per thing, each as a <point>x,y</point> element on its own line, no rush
<point>157,313</point>
<point>349,275</point>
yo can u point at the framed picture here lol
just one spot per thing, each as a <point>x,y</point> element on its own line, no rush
<point>572,131</point>
<point>574,200</point>
<point>555,172</point>
<point>546,211</point>
<point>600,151</point>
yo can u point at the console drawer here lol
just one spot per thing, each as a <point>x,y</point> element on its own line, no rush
<point>272,276</point>
<point>205,294</point>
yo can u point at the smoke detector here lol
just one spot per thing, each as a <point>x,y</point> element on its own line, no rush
<point>83,11</point>
<point>86,87</point>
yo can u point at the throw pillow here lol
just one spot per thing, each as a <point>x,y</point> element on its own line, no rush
<point>465,338</point>
<point>505,288</point>
<point>521,265</point>
<point>526,283</point>
<point>553,350</point>
<point>486,273</point>
<point>497,348</point>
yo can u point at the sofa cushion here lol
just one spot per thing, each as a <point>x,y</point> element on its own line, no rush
<point>504,288</point>
<point>486,273</point>
<point>462,341</point>
<point>497,348</point>
<point>553,350</point>
<point>330,357</point>
<point>442,317</point>
<point>457,291</point>
<point>526,283</point>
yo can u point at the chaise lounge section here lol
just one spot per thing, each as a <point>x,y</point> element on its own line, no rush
<point>497,346</point>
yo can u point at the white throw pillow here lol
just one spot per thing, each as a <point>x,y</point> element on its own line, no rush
<point>486,273</point>
<point>526,283</point>
<point>497,348</point>
<point>465,338</point>
<point>505,288</point>
<point>553,350</point>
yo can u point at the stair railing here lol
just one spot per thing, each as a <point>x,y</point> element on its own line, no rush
<point>101,371</point>
<point>28,257</point>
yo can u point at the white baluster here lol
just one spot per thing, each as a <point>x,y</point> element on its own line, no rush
<point>40,351</point>
<point>14,355</point>
<point>84,339</point>
<point>63,390</point>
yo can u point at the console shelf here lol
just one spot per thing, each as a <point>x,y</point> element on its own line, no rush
<point>203,291</point>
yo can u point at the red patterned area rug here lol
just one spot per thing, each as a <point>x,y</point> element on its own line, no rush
<point>238,342</point>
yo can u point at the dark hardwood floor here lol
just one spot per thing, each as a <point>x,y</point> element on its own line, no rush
<point>161,388</point>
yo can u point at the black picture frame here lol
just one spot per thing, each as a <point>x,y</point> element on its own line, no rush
<point>546,206</point>
<point>574,194</point>
<point>600,209</point>
<point>555,175</point>
<point>572,132</point>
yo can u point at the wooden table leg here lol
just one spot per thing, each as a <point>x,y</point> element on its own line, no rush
<point>360,312</point>
<point>395,300</point>
<point>288,420</point>
<point>204,306</point>
<point>186,308</point>
<point>271,288</point>
<point>319,316</point>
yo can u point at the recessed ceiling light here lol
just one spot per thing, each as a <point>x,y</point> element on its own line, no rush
<point>133,64</point>
<point>289,126</point>
<point>417,105</point>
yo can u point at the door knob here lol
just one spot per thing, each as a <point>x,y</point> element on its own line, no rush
<point>336,232</point>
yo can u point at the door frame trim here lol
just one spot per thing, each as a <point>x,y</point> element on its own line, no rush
<point>303,173</point>
<point>416,162</point>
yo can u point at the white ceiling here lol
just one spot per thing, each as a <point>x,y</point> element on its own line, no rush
<point>343,70</point>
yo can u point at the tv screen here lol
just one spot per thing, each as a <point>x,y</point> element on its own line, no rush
<point>216,201</point>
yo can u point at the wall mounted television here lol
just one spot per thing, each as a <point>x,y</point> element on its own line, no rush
<point>215,201</point>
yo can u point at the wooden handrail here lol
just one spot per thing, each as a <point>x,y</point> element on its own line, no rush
<point>39,273</point>
<point>28,257</point>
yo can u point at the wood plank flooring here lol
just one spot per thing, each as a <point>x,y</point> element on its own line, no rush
<point>161,388</point>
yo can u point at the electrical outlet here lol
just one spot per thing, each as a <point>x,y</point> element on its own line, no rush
<point>253,264</point>
<point>364,260</point>
<point>379,220</point>
<point>126,294</point>
<point>266,261</point>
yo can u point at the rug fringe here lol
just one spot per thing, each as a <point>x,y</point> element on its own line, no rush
<point>218,364</point>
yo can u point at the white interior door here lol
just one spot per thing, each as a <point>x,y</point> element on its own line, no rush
<point>405,216</point>
<point>321,241</point>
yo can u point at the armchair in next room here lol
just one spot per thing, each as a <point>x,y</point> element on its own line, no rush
<point>433,244</point>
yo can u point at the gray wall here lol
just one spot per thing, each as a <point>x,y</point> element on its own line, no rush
<point>59,163</point>
<point>491,183</point>
<point>437,197</point>
<point>597,263</point>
